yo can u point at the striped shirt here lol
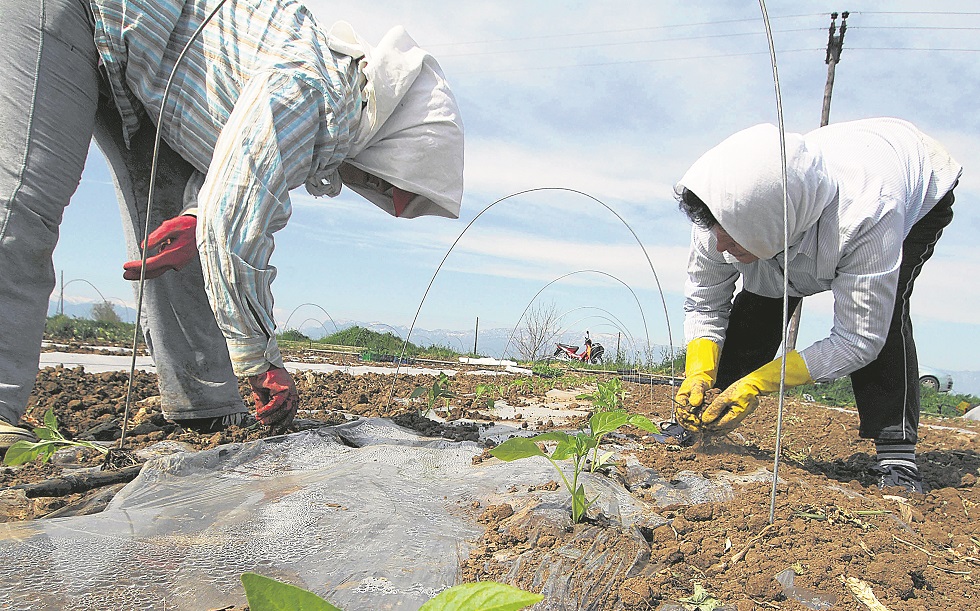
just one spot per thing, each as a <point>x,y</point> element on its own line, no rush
<point>889,176</point>
<point>259,104</point>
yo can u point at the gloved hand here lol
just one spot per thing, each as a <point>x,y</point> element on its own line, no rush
<point>172,246</point>
<point>700,370</point>
<point>276,398</point>
<point>741,398</point>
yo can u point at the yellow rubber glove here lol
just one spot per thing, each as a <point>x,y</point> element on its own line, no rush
<point>741,398</point>
<point>700,370</point>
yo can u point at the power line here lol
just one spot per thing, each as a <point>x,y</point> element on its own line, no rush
<point>624,43</point>
<point>914,27</point>
<point>620,31</point>
<point>633,61</point>
<point>938,49</point>
<point>914,13</point>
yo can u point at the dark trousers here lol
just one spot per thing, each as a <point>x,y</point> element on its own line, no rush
<point>887,389</point>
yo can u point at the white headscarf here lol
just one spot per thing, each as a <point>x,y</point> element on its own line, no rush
<point>740,181</point>
<point>410,132</point>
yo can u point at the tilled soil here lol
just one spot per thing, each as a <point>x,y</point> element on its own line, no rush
<point>831,523</point>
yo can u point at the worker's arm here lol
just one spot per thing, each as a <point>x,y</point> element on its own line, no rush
<point>864,297</point>
<point>279,130</point>
<point>708,290</point>
<point>864,290</point>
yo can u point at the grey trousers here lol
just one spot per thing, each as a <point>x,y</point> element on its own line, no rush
<point>50,108</point>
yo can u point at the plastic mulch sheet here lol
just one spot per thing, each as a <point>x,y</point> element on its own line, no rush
<point>367,515</point>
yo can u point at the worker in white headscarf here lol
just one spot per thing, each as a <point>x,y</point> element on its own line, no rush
<point>263,101</point>
<point>867,202</point>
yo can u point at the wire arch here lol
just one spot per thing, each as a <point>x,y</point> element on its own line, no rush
<point>481,213</point>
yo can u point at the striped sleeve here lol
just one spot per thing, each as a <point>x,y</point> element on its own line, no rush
<point>708,291</point>
<point>864,290</point>
<point>266,148</point>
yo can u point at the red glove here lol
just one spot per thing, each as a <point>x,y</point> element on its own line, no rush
<point>276,399</point>
<point>172,246</point>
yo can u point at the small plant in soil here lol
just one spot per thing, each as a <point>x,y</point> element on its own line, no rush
<point>605,422</point>
<point>700,600</point>
<point>575,447</point>
<point>608,396</point>
<point>50,440</point>
<point>265,594</point>
<point>438,390</point>
<point>482,389</point>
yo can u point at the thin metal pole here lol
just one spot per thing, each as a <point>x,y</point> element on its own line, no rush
<point>149,206</point>
<point>782,371</point>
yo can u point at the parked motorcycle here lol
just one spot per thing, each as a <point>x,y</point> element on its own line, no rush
<point>591,354</point>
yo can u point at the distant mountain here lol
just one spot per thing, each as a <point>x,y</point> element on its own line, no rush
<point>491,342</point>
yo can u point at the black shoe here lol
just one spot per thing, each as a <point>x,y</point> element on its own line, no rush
<point>216,424</point>
<point>892,476</point>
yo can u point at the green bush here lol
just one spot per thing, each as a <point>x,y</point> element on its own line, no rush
<point>839,393</point>
<point>61,328</point>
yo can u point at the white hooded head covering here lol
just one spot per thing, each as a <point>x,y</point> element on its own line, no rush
<point>410,133</point>
<point>740,181</point>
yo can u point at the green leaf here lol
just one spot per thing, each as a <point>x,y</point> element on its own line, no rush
<point>517,448</point>
<point>558,436</point>
<point>642,422</point>
<point>45,434</point>
<point>265,594</point>
<point>418,392</point>
<point>482,596</point>
<point>566,448</point>
<point>22,452</point>
<point>602,423</point>
<point>50,420</point>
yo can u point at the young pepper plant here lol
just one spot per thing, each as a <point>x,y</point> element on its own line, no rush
<point>576,447</point>
<point>608,396</point>
<point>49,441</point>
<point>603,423</point>
<point>438,390</point>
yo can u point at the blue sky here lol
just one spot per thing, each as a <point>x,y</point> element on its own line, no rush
<point>611,101</point>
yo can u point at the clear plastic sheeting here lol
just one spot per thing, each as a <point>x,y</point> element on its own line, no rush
<point>367,515</point>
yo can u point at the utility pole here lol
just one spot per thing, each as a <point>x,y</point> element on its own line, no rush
<point>476,334</point>
<point>835,44</point>
<point>61,302</point>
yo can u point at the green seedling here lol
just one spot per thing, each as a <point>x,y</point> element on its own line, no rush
<point>50,440</point>
<point>265,594</point>
<point>608,396</point>
<point>603,423</point>
<point>568,446</point>
<point>482,389</point>
<point>576,447</point>
<point>522,385</point>
<point>438,390</point>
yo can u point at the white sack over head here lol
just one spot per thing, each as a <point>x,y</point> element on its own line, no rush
<point>740,181</point>
<point>410,134</point>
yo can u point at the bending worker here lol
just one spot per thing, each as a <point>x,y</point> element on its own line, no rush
<point>867,202</point>
<point>264,101</point>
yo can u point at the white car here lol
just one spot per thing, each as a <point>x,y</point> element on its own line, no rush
<point>933,378</point>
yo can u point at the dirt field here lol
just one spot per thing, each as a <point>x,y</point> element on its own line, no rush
<point>831,522</point>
